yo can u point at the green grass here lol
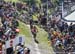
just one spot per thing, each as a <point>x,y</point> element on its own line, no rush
<point>12,0</point>
<point>41,37</point>
<point>24,30</point>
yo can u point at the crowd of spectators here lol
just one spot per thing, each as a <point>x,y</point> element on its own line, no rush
<point>9,27</point>
<point>8,21</point>
<point>60,33</point>
<point>62,37</point>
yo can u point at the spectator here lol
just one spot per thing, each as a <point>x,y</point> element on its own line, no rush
<point>1,33</point>
<point>31,23</point>
<point>71,28</point>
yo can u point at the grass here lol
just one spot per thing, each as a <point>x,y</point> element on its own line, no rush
<point>12,0</point>
<point>42,36</point>
<point>24,30</point>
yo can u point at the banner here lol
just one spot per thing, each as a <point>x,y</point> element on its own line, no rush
<point>15,41</point>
